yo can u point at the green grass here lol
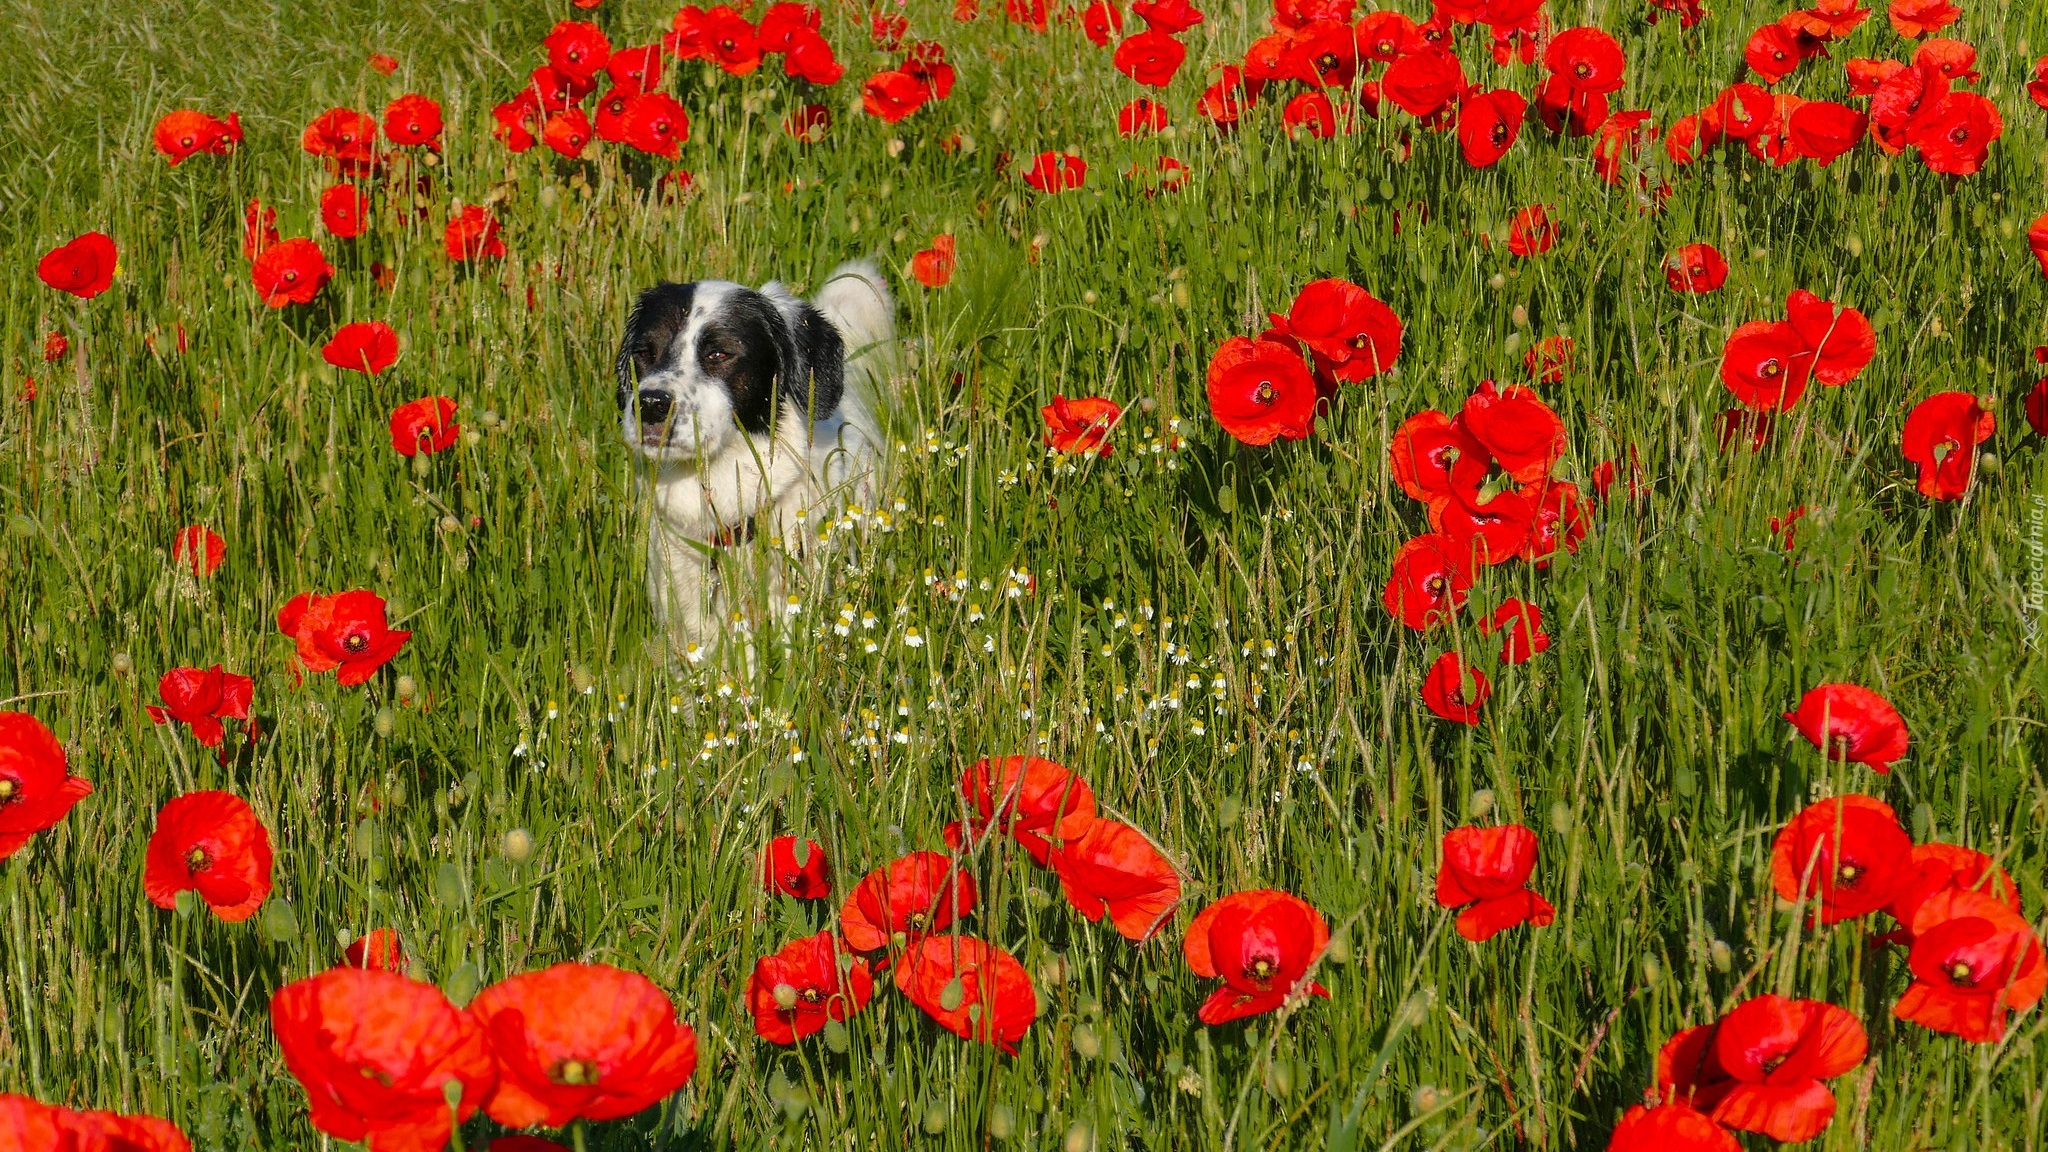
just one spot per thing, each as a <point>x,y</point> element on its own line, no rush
<point>1645,747</point>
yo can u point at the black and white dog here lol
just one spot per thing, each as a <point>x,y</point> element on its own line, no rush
<point>757,412</point>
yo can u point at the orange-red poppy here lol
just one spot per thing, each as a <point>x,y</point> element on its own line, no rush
<point>581,1042</point>
<point>181,135</point>
<point>1847,852</point>
<point>1941,437</point>
<point>1531,231</point>
<point>366,346</point>
<point>375,1052</point>
<point>214,844</point>
<point>1261,943</point>
<point>36,790</point>
<point>290,272</point>
<point>796,868</point>
<point>973,989</point>
<point>1519,431</point>
<point>345,632</point>
<point>1670,1127</point>
<point>933,266</point>
<point>199,548</point>
<point>414,120</point>
<point>1939,867</point>
<point>378,948</point>
<point>1352,334</point>
<point>916,894</point>
<point>1696,268</point>
<point>1760,1067</point>
<point>202,698</point>
<point>83,267</point>
<point>345,139</point>
<point>795,992</point>
<point>1080,427</point>
<point>1975,961</point>
<point>1916,18</point>
<point>112,1132</point>
<point>577,48</point>
<point>473,235</point>
<point>1113,868</point>
<point>1521,626</point>
<point>1852,723</point>
<point>1052,172</point>
<point>1486,872</point>
<point>1034,800</point>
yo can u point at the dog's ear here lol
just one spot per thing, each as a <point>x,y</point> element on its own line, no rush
<point>817,377</point>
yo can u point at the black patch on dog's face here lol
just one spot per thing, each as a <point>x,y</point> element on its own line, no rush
<point>745,345</point>
<point>658,319</point>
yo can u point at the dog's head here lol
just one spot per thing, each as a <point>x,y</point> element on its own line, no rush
<point>706,362</point>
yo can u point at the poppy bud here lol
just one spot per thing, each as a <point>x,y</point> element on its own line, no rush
<point>1496,281</point>
<point>1855,245</point>
<point>518,846</point>
<point>785,996</point>
<point>935,1120</point>
<point>451,1091</point>
<point>1934,327</point>
<point>1988,464</point>
<point>1653,970</point>
<point>1520,316</point>
<point>1561,817</point>
<point>1002,1122</point>
<point>407,687</point>
<point>386,721</point>
<point>186,901</point>
<point>1339,951</point>
<point>1080,1138</point>
<point>835,1037</point>
<point>1426,1098</point>
<point>1482,803</point>
<point>123,664</point>
<point>952,994</point>
<point>1087,1045</point>
<point>582,678</point>
<point>1722,955</point>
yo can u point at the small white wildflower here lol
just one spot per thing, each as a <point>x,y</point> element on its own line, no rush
<point>912,638</point>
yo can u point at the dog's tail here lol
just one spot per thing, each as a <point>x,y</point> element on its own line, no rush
<point>856,300</point>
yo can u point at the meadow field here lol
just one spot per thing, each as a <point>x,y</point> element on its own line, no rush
<point>1237,646</point>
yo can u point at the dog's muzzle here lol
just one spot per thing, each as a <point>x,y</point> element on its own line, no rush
<point>655,408</point>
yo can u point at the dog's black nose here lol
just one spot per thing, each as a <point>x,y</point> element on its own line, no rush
<point>654,406</point>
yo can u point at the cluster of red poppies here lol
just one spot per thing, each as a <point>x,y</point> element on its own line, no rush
<point>390,1061</point>
<point>35,1127</point>
<point>1485,477</point>
<point>1262,390</point>
<point>896,94</point>
<point>634,112</point>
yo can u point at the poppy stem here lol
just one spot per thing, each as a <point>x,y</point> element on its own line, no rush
<point>576,1135</point>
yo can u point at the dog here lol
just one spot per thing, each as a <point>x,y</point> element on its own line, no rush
<point>756,412</point>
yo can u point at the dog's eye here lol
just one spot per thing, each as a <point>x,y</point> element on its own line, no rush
<point>716,355</point>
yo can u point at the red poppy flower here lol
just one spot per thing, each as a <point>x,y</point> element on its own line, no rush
<point>1941,867</point>
<point>783,21</point>
<point>343,209</point>
<point>892,97</point>
<point>1550,358</point>
<point>107,1132</point>
<point>424,425</point>
<point>972,989</point>
<point>1760,1067</point>
<point>1434,457</point>
<point>1387,36</point>
<point>581,1041</point>
<point>1622,137</point>
<point>1587,59</point>
<point>1848,851</point>
<point>1567,110</point>
<point>1352,334</point>
<point>1530,232</point>
<point>1774,51</point>
<point>1170,175</point>
<point>1102,21</point>
<point>635,70</point>
<point>375,1051</point>
<point>184,134</point>
<point>1827,19</point>
<point>1080,427</point>
<point>1853,723</point>
<point>35,789</point>
<point>414,120</point>
<point>1974,961</point>
<point>2038,86</point>
<point>1841,339</point>
<point>1488,124</point>
<point>1521,626</point>
<point>1259,391</point>
<point>2037,407</point>
<point>290,272</point>
<point>1954,59</point>
<point>730,41</point>
<point>345,631</point>
<point>552,91</point>
<point>577,48</point>
<point>516,122</point>
<point>1037,801</point>
<point>84,267</point>
<point>925,60</point>
<point>793,993</point>
<point>916,894</point>
<point>1169,16</point>
<point>1150,58</point>
<point>1941,437</point>
<point>55,345</point>
<point>1754,428</point>
<point>569,132</point>
<point>346,139</point>
<point>199,548</point>
<point>1056,172</point>
<point>1766,365</point>
<point>473,235</point>
<point>202,698</point>
<point>1140,117</point>
<point>1956,134</point>
<point>1429,581</point>
<point>933,267</point>
<point>1113,868</point>
<point>1311,112</point>
<point>1916,18</point>
<point>656,124</point>
<point>1488,869</point>
<point>809,58</point>
<point>1670,1128</point>
<point>378,948</point>
<point>1485,533</point>
<point>806,124</point>
<point>1423,84</point>
<point>1262,943</point>
<point>796,868</point>
<point>211,843</point>
<point>1785,527</point>
<point>1824,131</point>
<point>367,346</point>
<point>1866,76</point>
<point>259,229</point>
<point>2037,241</point>
<point>1517,429</point>
<point>382,64</point>
<point>1454,690</point>
<point>1324,54</point>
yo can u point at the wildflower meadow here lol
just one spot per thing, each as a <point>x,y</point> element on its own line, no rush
<point>1444,574</point>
